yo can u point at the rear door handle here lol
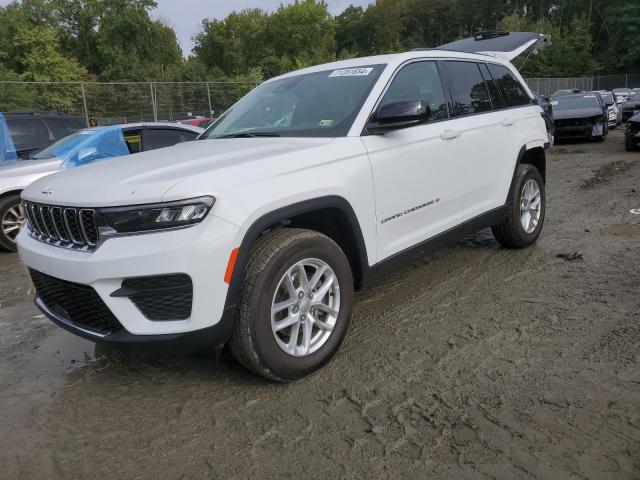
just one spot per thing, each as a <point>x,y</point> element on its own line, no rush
<point>507,122</point>
<point>450,134</point>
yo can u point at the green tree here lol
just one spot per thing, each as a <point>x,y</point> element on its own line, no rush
<point>570,54</point>
<point>621,54</point>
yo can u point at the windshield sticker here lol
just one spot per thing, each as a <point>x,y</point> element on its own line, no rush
<point>351,72</point>
<point>554,102</point>
<point>325,123</point>
<point>589,96</point>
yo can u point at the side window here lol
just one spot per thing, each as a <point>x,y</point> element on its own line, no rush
<point>133,139</point>
<point>160,138</point>
<point>420,81</point>
<point>61,127</point>
<point>513,92</point>
<point>27,131</point>
<point>468,90</point>
<point>494,93</point>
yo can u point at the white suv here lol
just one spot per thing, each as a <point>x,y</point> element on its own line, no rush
<point>257,235</point>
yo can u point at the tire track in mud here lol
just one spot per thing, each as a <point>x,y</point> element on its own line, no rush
<point>474,362</point>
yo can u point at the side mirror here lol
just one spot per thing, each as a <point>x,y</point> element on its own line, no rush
<point>398,114</point>
<point>87,155</point>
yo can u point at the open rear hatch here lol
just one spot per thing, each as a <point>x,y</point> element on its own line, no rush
<point>504,45</point>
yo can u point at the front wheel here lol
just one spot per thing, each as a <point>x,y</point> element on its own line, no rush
<point>12,219</point>
<point>523,224</point>
<point>630,144</point>
<point>295,305</point>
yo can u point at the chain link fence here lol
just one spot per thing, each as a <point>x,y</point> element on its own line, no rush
<point>546,86</point>
<point>123,102</point>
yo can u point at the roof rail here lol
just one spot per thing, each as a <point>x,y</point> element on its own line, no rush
<point>487,34</point>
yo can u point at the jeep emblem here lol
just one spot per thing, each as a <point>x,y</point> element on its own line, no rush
<point>47,191</point>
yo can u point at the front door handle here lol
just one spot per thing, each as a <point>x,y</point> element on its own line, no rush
<point>450,134</point>
<point>507,122</point>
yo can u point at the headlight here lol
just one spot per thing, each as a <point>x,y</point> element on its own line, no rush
<point>157,216</point>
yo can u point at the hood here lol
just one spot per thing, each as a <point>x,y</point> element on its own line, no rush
<point>146,177</point>
<point>631,105</point>
<point>577,113</point>
<point>16,175</point>
<point>504,45</point>
<point>634,119</point>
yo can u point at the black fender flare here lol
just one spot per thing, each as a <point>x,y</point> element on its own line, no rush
<point>282,214</point>
<point>521,154</point>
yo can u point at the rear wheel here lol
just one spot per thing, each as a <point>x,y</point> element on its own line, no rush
<point>524,222</point>
<point>12,219</point>
<point>295,305</point>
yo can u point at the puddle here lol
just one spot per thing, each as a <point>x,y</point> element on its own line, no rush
<point>624,230</point>
<point>61,352</point>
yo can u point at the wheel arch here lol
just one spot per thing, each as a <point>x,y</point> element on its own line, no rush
<point>535,156</point>
<point>331,215</point>
<point>15,191</point>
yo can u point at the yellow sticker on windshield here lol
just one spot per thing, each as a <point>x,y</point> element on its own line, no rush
<point>326,123</point>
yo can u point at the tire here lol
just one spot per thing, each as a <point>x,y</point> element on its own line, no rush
<point>9,205</point>
<point>511,233</point>
<point>254,342</point>
<point>629,144</point>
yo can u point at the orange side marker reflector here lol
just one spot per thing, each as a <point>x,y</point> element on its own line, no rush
<point>230,266</point>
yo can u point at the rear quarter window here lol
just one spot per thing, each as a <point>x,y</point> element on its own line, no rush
<point>513,92</point>
<point>155,138</point>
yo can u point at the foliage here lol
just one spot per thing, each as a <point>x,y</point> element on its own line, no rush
<point>295,36</point>
<point>117,40</point>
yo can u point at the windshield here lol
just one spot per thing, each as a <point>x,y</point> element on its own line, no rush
<point>621,91</point>
<point>562,93</point>
<point>583,101</point>
<point>321,104</point>
<point>607,97</point>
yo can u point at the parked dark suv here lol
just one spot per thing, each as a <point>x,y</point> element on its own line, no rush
<point>31,131</point>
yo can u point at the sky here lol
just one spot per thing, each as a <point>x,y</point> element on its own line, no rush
<point>185,16</point>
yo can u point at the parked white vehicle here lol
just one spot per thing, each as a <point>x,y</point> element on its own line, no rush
<point>309,186</point>
<point>84,146</point>
<point>613,114</point>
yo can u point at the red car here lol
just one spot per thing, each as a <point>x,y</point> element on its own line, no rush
<point>201,122</point>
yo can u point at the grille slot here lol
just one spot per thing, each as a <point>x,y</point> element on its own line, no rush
<point>66,227</point>
<point>78,304</point>
<point>160,298</point>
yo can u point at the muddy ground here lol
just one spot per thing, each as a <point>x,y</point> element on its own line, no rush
<point>476,362</point>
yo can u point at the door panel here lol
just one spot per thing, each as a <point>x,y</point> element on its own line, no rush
<point>491,178</point>
<point>419,183</point>
<point>482,134</point>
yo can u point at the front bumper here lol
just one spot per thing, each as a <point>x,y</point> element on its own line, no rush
<point>633,136</point>
<point>201,252</point>
<point>578,131</point>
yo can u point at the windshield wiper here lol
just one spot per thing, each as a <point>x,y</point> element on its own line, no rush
<point>249,135</point>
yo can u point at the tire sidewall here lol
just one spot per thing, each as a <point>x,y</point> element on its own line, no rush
<point>527,172</point>
<point>5,204</point>
<point>274,358</point>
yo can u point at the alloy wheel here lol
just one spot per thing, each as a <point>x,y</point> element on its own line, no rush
<point>530,206</point>
<point>12,221</point>
<point>305,307</point>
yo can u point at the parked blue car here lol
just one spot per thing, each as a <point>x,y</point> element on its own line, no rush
<point>80,148</point>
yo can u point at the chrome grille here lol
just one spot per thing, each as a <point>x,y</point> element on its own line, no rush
<point>66,227</point>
